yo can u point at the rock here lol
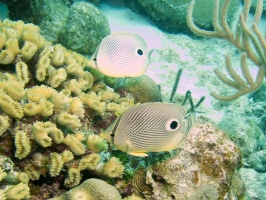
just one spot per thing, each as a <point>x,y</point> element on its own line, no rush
<point>170,16</point>
<point>86,27</point>
<point>257,161</point>
<point>256,183</point>
<point>51,16</point>
<point>205,164</point>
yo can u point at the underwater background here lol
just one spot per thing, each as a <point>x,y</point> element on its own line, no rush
<point>53,106</point>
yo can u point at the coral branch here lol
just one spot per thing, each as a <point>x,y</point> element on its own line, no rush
<point>248,39</point>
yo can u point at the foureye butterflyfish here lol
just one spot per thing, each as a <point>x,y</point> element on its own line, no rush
<point>121,55</point>
<point>150,127</point>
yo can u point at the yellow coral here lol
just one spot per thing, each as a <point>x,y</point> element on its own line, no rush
<point>36,93</point>
<point>2,174</point>
<point>59,100</point>
<point>96,144</point>
<point>31,109</point>
<point>56,164</point>
<point>2,40</point>
<point>56,77</point>
<point>23,177</point>
<point>41,130</point>
<point>9,106</point>
<point>89,162</point>
<point>32,172</point>
<point>108,95</point>
<point>12,46</point>
<point>34,37</point>
<point>93,101</point>
<point>133,197</point>
<point>14,89</point>
<point>74,144</point>
<point>85,81</point>
<point>40,133</point>
<point>74,87</point>
<point>6,57</point>
<point>80,136</point>
<point>22,143</point>
<point>74,69</point>
<point>67,156</point>
<point>42,66</point>
<point>19,191</point>
<point>47,108</point>
<point>76,107</point>
<point>22,72</point>
<point>57,57</point>
<point>18,26</point>
<point>73,178</point>
<point>113,168</point>
<point>28,50</point>
<point>4,124</point>
<point>11,33</point>
<point>69,121</point>
<point>31,27</point>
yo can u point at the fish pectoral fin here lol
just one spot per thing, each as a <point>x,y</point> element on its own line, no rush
<point>139,154</point>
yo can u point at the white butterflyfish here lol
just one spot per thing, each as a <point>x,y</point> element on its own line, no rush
<point>150,127</point>
<point>121,55</point>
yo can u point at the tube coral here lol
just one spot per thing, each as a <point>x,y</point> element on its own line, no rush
<point>76,107</point>
<point>22,143</point>
<point>56,77</point>
<point>57,57</point>
<point>69,121</point>
<point>74,144</point>
<point>89,162</point>
<point>4,124</point>
<point>56,164</point>
<point>22,72</point>
<point>19,191</point>
<point>14,89</point>
<point>9,106</point>
<point>28,50</point>
<point>96,144</point>
<point>113,168</point>
<point>73,178</point>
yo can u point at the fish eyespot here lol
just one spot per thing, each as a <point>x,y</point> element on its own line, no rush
<point>139,52</point>
<point>172,125</point>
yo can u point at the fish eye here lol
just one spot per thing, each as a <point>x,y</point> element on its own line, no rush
<point>172,125</point>
<point>139,52</point>
<point>94,59</point>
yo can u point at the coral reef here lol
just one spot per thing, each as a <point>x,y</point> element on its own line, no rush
<point>51,110</point>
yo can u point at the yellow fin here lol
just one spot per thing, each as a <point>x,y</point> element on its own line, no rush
<point>139,154</point>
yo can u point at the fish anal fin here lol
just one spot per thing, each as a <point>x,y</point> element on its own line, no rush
<point>139,154</point>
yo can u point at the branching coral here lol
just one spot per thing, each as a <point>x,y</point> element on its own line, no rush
<point>248,39</point>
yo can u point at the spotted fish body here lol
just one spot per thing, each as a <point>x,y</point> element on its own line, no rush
<point>121,55</point>
<point>150,127</point>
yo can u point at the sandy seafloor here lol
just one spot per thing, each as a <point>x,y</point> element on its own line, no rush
<point>197,57</point>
